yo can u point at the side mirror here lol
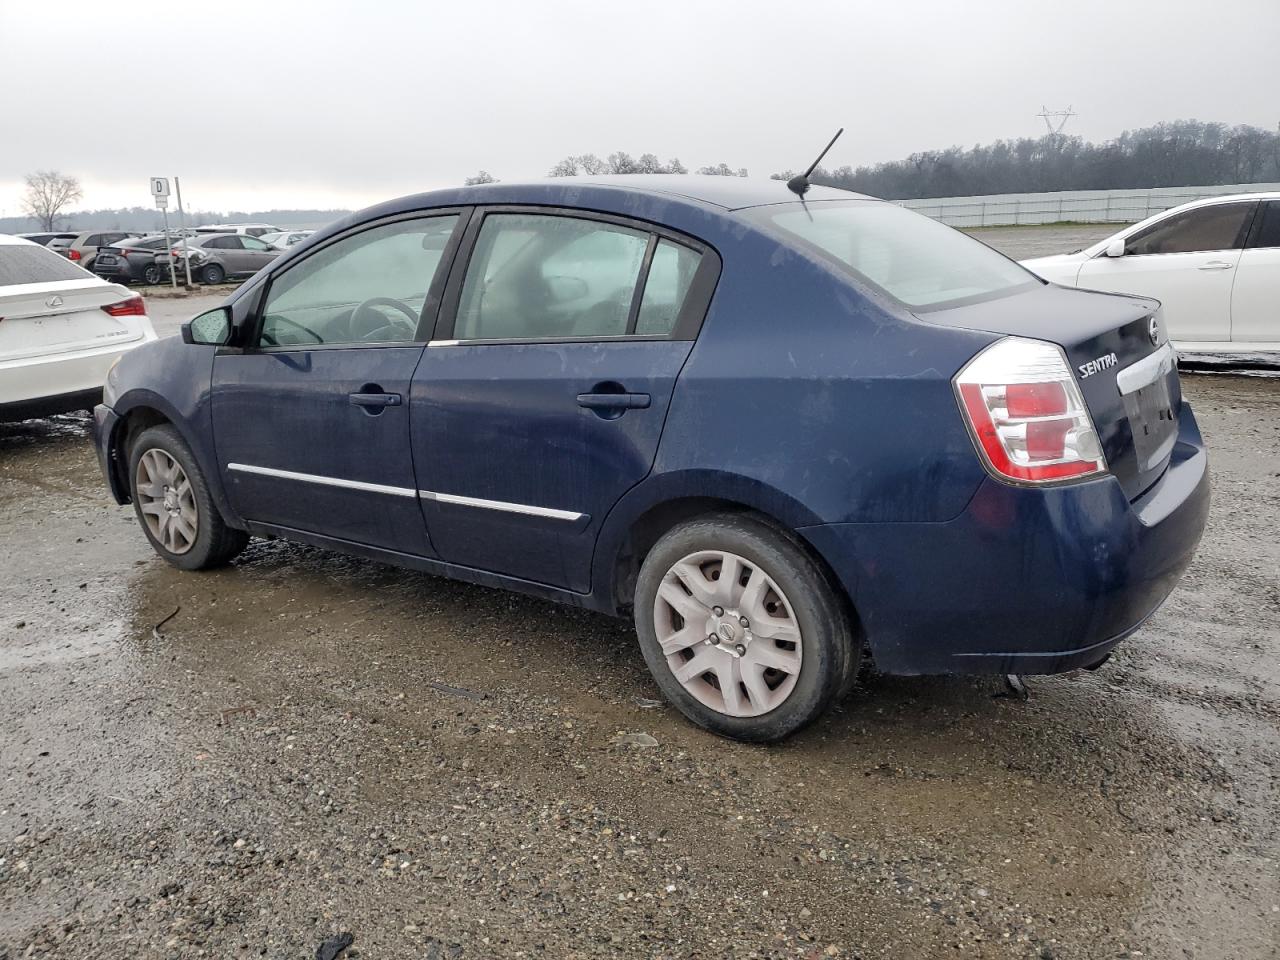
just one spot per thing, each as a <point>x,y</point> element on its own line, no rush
<point>1115,248</point>
<point>211,329</point>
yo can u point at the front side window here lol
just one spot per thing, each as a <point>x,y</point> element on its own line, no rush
<point>366,288</point>
<point>1221,226</point>
<point>253,243</point>
<point>915,260</point>
<point>542,277</point>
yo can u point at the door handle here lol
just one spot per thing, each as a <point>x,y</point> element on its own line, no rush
<point>614,401</point>
<point>1215,265</point>
<point>375,400</point>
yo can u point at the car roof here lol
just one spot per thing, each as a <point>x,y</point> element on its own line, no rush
<point>727,193</point>
<point>7,239</point>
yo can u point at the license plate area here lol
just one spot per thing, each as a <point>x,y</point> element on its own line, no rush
<point>1152,422</point>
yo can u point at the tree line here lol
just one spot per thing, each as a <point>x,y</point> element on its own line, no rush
<point>1175,154</point>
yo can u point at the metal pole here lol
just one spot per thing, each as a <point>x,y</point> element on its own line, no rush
<point>168,249</point>
<point>182,225</point>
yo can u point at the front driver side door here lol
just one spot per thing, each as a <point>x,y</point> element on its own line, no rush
<point>311,422</point>
<point>1188,262</point>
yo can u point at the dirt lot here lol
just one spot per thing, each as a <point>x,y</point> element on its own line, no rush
<point>247,762</point>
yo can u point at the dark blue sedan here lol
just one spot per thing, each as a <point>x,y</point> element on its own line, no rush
<point>777,430</point>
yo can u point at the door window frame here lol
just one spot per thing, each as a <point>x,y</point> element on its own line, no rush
<point>427,317</point>
<point>1265,206</point>
<point>693,311</point>
<point>1244,235</point>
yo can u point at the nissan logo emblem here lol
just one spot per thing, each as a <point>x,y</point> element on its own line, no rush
<point>1153,330</point>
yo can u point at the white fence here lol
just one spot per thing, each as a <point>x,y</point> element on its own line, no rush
<point>1079,206</point>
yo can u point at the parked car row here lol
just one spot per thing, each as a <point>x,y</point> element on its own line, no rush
<point>125,256</point>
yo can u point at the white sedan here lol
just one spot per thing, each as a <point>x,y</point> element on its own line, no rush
<point>1213,263</point>
<point>61,329</point>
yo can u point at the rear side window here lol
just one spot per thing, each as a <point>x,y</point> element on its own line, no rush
<point>20,263</point>
<point>93,241</point>
<point>911,258</point>
<point>1221,226</point>
<point>670,276</point>
<point>1268,234</point>
<point>540,277</point>
<point>223,243</point>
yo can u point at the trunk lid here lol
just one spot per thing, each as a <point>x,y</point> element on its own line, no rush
<point>1128,380</point>
<point>62,316</point>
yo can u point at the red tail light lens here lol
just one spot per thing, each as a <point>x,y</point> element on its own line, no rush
<point>73,254</point>
<point>1026,413</point>
<point>133,307</point>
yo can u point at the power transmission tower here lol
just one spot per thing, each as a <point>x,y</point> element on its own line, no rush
<point>1055,120</point>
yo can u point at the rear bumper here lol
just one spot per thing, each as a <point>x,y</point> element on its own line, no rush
<point>1024,580</point>
<point>53,375</point>
<point>121,270</point>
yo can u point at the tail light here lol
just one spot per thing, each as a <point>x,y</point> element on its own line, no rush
<point>73,253</point>
<point>133,307</point>
<point>1026,413</point>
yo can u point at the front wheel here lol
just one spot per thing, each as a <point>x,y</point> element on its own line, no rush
<point>153,275</point>
<point>213,274</point>
<point>741,629</point>
<point>173,506</point>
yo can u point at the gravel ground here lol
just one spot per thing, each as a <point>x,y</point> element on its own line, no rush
<point>1023,242</point>
<point>250,761</point>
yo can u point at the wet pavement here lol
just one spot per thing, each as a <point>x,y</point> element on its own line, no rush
<point>249,761</point>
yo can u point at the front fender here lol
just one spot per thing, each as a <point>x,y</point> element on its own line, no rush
<point>172,379</point>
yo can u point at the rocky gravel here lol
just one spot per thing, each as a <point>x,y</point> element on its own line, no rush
<point>256,761</point>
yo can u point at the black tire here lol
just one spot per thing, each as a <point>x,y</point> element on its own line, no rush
<point>153,275</point>
<point>213,273</point>
<point>215,542</point>
<point>831,643</point>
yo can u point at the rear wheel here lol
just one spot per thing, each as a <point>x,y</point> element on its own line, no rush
<point>173,506</point>
<point>741,629</point>
<point>153,275</point>
<point>213,274</point>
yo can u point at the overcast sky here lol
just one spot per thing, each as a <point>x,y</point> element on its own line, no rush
<point>307,103</point>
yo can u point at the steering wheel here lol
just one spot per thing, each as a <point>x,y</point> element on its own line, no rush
<point>368,324</point>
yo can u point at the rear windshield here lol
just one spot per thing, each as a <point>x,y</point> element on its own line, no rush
<point>20,263</point>
<point>915,260</point>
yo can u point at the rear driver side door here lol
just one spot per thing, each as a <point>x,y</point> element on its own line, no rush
<point>542,400</point>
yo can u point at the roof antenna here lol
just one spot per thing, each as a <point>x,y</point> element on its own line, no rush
<point>799,185</point>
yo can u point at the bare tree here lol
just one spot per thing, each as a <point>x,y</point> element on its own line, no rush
<point>48,194</point>
<point>722,170</point>
<point>482,177</point>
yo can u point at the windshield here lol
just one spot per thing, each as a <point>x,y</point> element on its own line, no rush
<point>911,258</point>
<point>24,263</point>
